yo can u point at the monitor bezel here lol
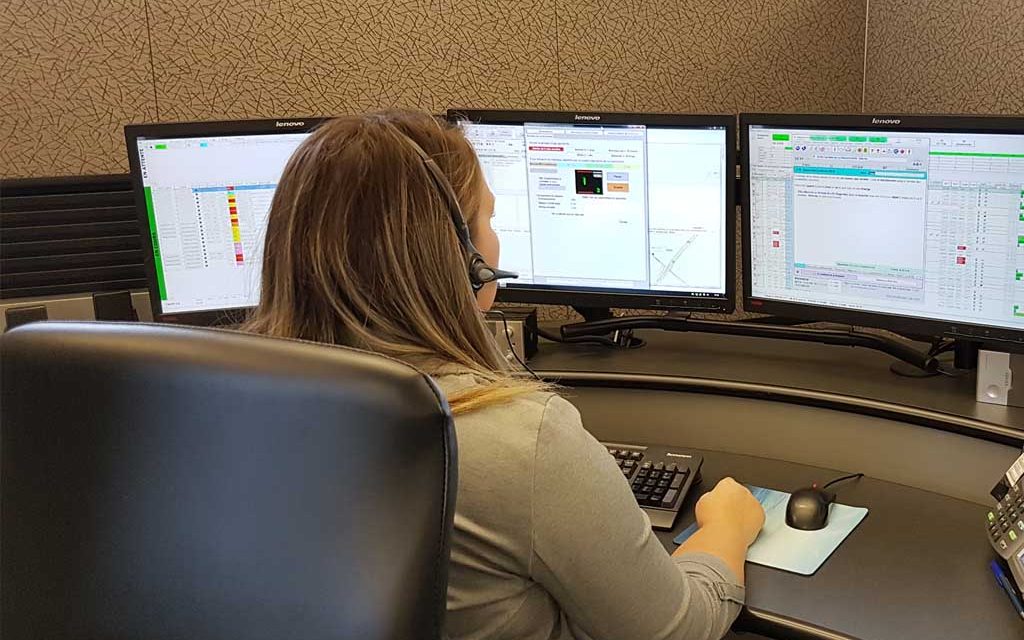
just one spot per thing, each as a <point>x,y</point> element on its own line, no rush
<point>132,133</point>
<point>999,337</point>
<point>668,300</point>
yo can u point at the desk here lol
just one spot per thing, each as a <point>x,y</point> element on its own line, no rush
<point>782,415</point>
<point>849,378</point>
<point>916,567</point>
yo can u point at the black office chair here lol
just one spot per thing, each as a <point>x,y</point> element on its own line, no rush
<point>172,483</point>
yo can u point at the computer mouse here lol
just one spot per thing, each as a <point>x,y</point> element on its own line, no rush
<point>808,508</point>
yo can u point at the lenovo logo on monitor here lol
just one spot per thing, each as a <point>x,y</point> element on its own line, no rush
<point>289,123</point>
<point>885,120</point>
<point>588,118</point>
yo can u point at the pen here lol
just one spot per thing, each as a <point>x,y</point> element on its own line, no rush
<point>1004,582</point>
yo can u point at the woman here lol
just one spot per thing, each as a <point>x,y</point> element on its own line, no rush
<point>549,541</point>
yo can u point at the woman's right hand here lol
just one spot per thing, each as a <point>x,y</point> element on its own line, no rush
<point>730,508</point>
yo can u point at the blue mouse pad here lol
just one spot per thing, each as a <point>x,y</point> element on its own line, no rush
<point>783,547</point>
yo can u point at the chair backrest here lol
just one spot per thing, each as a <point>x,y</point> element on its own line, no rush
<point>161,482</point>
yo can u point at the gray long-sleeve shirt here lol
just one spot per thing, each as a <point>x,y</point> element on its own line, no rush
<point>550,544</point>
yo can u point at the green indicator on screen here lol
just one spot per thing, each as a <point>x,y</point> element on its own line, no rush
<point>156,244</point>
<point>858,139</point>
<point>789,148</point>
<point>1017,312</point>
<point>780,136</point>
<point>878,139</point>
<point>1020,275</point>
<point>837,138</point>
<point>1020,240</point>
<point>819,138</point>
<point>971,154</point>
<point>160,146</point>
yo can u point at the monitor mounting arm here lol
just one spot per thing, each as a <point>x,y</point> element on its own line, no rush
<point>852,337</point>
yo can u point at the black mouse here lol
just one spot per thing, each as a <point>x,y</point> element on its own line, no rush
<point>808,508</point>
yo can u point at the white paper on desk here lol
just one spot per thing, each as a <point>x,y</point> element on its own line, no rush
<point>782,547</point>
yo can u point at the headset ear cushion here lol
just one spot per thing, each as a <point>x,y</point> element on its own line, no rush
<point>479,273</point>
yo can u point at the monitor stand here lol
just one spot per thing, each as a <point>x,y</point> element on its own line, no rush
<point>965,359</point>
<point>593,314</point>
<point>965,354</point>
<point>621,338</point>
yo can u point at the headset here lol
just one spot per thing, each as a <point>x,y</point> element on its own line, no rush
<point>480,273</point>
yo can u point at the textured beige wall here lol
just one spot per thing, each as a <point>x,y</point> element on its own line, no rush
<point>72,72</point>
<point>250,58</point>
<point>76,71</point>
<point>711,55</point>
<point>945,56</point>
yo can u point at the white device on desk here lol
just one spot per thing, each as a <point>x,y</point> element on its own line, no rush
<point>996,379</point>
<point>1005,521</point>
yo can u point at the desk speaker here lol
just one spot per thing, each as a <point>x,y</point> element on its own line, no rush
<point>1000,378</point>
<point>115,306</point>
<point>17,316</point>
<point>515,330</point>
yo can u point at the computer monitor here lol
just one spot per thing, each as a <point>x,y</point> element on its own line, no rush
<point>909,223</point>
<point>203,191</point>
<point>611,209</point>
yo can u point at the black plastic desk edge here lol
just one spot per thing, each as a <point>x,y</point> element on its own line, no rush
<point>852,404</point>
<point>782,628</point>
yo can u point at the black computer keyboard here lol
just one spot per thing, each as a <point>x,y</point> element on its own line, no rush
<point>659,476</point>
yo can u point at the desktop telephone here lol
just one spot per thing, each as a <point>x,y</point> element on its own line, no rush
<point>1005,521</point>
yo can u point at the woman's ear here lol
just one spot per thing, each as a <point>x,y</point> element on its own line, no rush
<point>486,241</point>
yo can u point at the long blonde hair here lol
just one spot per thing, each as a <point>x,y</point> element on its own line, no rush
<point>360,250</point>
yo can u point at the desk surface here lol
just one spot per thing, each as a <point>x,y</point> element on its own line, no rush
<point>917,567</point>
<point>854,374</point>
